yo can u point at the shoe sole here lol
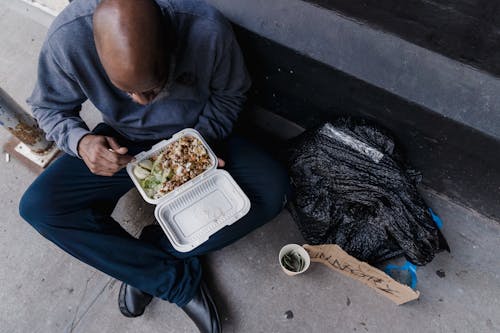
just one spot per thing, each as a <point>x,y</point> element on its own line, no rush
<point>212,303</point>
<point>122,306</point>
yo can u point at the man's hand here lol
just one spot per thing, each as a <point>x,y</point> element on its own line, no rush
<point>102,154</point>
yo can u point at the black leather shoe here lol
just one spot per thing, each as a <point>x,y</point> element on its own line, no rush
<point>202,310</point>
<point>131,301</point>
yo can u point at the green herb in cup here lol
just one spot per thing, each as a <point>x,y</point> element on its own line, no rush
<point>293,261</point>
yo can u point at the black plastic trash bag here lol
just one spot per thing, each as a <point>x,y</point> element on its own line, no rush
<point>353,189</point>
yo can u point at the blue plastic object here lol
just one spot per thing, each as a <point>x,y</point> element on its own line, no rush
<point>409,269</point>
<point>436,219</point>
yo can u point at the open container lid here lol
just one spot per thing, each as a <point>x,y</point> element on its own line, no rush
<point>197,209</point>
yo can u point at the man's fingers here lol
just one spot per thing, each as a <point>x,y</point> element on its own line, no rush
<point>118,158</point>
<point>122,150</point>
<point>220,163</point>
<point>112,143</point>
<point>115,146</point>
<point>112,158</point>
<point>108,161</point>
<point>105,173</point>
<point>104,170</point>
<point>116,153</point>
<point>103,155</point>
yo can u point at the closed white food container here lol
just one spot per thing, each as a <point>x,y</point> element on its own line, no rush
<point>197,209</point>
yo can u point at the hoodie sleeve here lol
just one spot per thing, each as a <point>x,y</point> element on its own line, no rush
<point>56,101</point>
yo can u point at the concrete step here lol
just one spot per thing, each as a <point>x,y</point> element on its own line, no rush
<point>465,30</point>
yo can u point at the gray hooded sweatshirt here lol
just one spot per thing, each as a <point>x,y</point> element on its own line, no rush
<point>208,85</point>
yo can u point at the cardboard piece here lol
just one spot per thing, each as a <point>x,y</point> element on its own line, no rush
<point>337,259</point>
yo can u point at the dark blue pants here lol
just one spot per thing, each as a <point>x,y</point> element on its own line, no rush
<point>71,207</point>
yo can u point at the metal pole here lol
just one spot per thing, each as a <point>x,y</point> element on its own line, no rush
<point>22,125</point>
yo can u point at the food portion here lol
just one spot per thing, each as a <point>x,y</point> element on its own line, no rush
<point>177,163</point>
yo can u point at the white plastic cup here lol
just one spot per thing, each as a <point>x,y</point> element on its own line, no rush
<point>298,249</point>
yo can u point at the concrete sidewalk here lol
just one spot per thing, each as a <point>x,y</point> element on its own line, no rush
<point>45,290</point>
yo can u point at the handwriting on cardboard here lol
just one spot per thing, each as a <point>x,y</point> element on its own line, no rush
<point>337,259</point>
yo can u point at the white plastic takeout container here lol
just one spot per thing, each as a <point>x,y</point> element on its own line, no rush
<point>199,208</point>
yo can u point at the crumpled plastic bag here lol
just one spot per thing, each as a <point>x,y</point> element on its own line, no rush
<point>354,189</point>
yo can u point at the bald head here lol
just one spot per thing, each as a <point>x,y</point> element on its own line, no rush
<point>131,38</point>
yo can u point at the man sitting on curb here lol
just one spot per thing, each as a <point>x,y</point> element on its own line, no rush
<point>152,69</point>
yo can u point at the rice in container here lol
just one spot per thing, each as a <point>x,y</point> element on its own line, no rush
<point>197,209</point>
